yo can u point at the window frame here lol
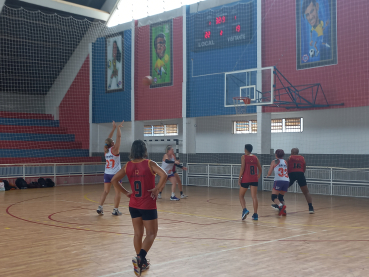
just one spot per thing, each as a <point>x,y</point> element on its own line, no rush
<point>252,126</point>
<point>164,133</point>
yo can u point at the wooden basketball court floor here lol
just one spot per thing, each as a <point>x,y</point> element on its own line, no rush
<point>57,232</point>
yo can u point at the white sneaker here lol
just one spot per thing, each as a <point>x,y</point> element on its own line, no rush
<point>116,212</point>
<point>184,196</point>
<point>100,210</point>
<point>159,196</point>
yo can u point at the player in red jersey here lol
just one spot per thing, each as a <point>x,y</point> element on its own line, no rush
<point>296,171</point>
<point>142,205</point>
<point>249,178</point>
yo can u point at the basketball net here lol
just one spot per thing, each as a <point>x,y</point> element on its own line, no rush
<point>240,104</point>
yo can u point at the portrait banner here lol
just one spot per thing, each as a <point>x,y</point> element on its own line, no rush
<point>114,62</point>
<point>316,33</point>
<point>161,55</point>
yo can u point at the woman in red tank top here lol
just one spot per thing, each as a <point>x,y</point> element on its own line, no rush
<point>250,173</point>
<point>142,205</point>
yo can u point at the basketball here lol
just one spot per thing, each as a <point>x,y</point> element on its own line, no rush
<point>147,80</point>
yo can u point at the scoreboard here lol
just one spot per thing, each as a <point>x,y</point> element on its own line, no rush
<point>225,27</point>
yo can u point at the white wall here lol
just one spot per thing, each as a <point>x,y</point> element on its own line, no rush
<point>204,5</point>
<point>214,135</point>
<point>332,131</point>
<point>21,103</point>
<point>329,131</point>
<point>159,146</point>
<point>101,131</point>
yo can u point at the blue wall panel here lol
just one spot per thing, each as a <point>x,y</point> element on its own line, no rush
<point>205,94</point>
<point>114,105</point>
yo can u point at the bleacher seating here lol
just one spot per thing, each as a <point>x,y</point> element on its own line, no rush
<point>37,138</point>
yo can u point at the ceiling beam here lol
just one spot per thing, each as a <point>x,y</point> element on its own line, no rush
<point>70,8</point>
<point>1,5</point>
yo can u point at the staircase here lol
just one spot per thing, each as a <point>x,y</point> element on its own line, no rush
<point>37,138</point>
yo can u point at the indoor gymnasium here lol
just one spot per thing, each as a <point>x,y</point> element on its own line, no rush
<point>184,138</point>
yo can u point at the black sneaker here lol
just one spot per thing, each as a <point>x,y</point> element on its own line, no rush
<point>311,210</point>
<point>100,210</point>
<point>145,265</point>
<point>275,207</point>
<point>116,212</point>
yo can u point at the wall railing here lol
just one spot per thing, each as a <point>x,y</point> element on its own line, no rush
<point>320,180</point>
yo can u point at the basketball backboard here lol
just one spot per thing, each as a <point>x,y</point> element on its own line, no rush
<point>256,84</point>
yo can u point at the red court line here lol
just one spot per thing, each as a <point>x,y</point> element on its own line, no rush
<point>173,221</point>
<point>288,213</point>
<point>50,217</point>
<point>173,237</point>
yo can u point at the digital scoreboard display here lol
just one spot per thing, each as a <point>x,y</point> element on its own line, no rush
<point>228,26</point>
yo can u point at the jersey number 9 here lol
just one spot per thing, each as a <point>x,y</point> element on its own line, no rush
<point>138,189</point>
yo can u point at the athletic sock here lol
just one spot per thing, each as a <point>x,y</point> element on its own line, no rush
<point>310,205</point>
<point>142,254</point>
<point>181,192</point>
<point>280,205</point>
<point>173,194</point>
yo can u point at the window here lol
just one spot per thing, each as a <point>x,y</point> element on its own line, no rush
<point>282,125</point>
<point>158,130</point>
<point>293,125</point>
<point>161,130</point>
<point>277,126</point>
<point>171,130</point>
<point>287,125</point>
<point>254,126</point>
<point>245,127</point>
<point>241,127</point>
<point>147,130</point>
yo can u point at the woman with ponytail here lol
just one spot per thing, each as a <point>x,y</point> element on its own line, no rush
<point>112,157</point>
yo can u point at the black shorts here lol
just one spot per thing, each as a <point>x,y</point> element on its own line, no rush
<point>297,176</point>
<point>246,185</point>
<point>145,214</point>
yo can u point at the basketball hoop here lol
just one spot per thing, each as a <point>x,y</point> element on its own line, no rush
<point>240,104</point>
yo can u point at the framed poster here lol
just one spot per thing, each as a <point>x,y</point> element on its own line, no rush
<point>316,33</point>
<point>114,62</point>
<point>161,55</point>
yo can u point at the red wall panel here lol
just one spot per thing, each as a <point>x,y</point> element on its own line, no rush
<point>74,109</point>
<point>162,102</point>
<point>345,82</point>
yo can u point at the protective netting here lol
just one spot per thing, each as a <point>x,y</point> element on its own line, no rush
<point>46,84</point>
<point>318,92</point>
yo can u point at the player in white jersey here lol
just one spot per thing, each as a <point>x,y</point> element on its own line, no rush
<point>112,157</point>
<point>169,165</point>
<point>281,180</point>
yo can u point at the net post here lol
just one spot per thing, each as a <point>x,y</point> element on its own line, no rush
<point>331,181</point>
